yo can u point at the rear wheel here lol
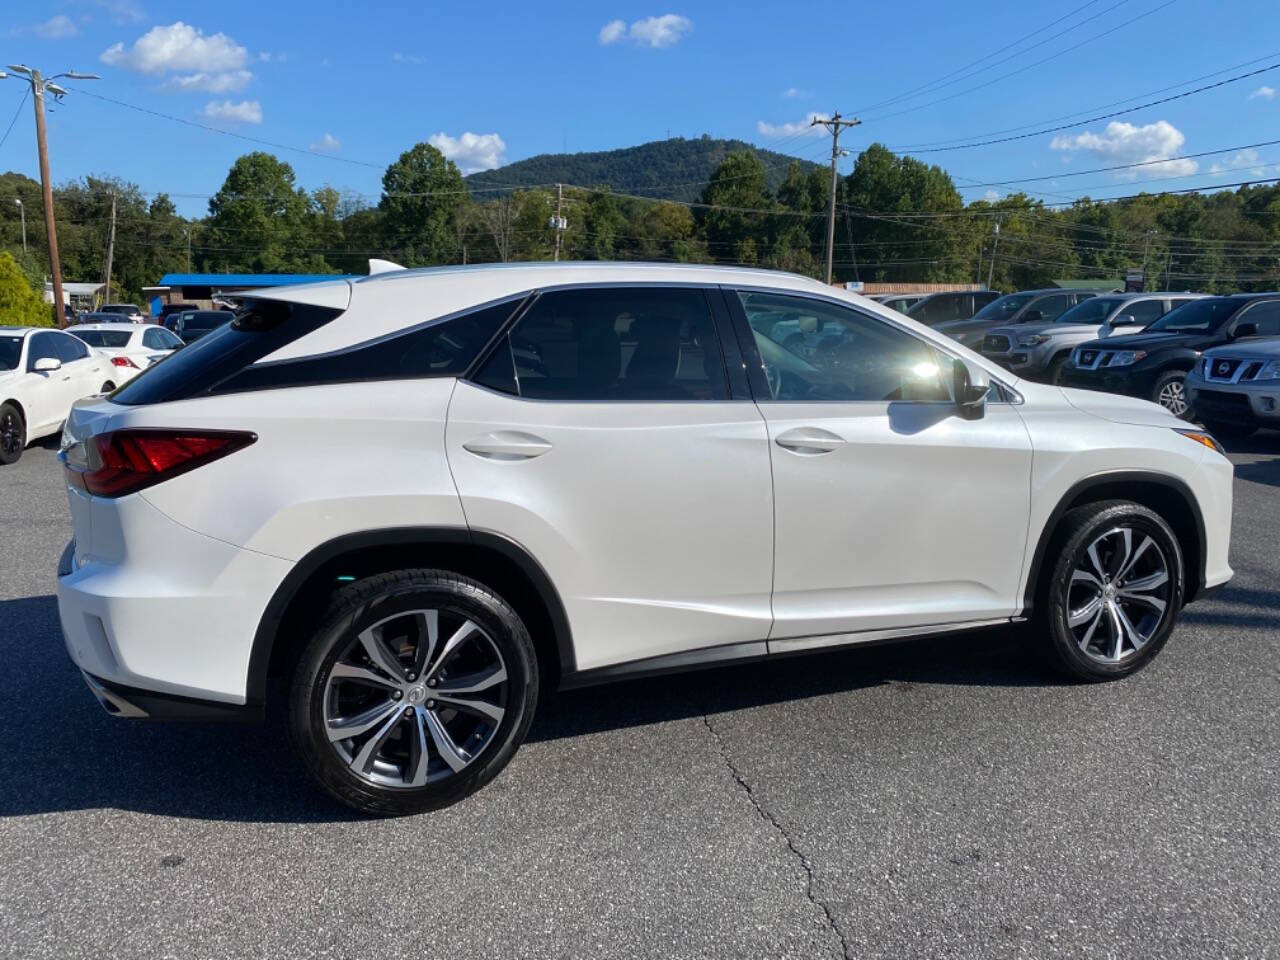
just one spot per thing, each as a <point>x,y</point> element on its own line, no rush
<point>415,691</point>
<point>13,433</point>
<point>1114,591</point>
<point>1170,391</point>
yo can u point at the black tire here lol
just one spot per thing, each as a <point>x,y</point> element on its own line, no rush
<point>385,598</point>
<point>1053,374</point>
<point>1059,596</point>
<point>13,434</point>
<point>1232,431</point>
<point>1170,390</point>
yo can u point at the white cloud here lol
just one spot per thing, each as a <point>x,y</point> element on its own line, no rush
<point>56,28</point>
<point>1248,161</point>
<point>991,196</point>
<point>613,31</point>
<point>407,58</point>
<point>122,11</point>
<point>654,32</point>
<point>1263,93</point>
<point>327,143</point>
<point>1124,143</point>
<point>766,129</point>
<point>246,111</point>
<point>471,151</point>
<point>230,82</point>
<point>795,93</point>
<point>178,47</point>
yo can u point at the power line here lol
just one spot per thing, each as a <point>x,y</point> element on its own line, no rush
<point>21,103</point>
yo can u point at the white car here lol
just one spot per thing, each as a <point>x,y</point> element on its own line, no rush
<point>42,373</point>
<point>131,348</point>
<point>420,497</point>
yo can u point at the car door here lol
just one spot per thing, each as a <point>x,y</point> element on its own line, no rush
<point>86,367</point>
<point>602,435</point>
<point>890,510</point>
<point>47,393</point>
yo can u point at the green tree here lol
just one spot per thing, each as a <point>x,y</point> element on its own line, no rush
<point>422,194</point>
<point>20,304</point>
<point>260,221</point>
<point>735,231</point>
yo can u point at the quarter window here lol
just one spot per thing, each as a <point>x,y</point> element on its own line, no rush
<point>813,350</point>
<point>625,344</point>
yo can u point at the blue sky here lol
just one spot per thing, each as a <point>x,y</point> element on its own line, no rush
<point>359,83</point>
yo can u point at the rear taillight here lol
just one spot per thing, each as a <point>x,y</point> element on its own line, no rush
<point>123,462</point>
<point>123,362</point>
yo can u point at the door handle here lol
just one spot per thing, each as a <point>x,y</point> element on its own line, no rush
<point>65,379</point>
<point>507,445</point>
<point>809,441</point>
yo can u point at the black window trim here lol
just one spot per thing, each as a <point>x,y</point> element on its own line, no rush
<point>742,394</point>
<point>755,364</point>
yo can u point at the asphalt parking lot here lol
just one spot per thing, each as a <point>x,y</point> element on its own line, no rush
<point>941,798</point>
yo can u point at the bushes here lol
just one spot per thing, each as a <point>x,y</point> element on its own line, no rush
<point>20,304</point>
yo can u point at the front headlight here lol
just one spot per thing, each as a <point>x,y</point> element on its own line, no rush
<point>1269,371</point>
<point>1033,340</point>
<point>1126,358</point>
<point>1202,438</point>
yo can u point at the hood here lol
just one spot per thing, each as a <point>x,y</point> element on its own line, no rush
<point>1121,409</point>
<point>1153,341</point>
<point>1261,347</point>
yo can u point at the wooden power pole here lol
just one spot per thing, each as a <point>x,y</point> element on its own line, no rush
<point>559,221</point>
<point>834,125</point>
<point>111,246</point>
<point>46,185</point>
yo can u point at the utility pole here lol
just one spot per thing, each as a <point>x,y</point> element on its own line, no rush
<point>995,245</point>
<point>38,86</point>
<point>111,245</point>
<point>22,212</point>
<point>186,231</point>
<point>1145,246</point>
<point>558,221</point>
<point>833,125</point>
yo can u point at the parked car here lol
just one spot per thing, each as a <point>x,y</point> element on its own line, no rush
<point>1028,306</point>
<point>168,309</point>
<point>42,373</point>
<point>576,473</point>
<point>1154,364</point>
<point>1235,389</point>
<point>902,302</point>
<point>130,349</point>
<point>97,317</point>
<point>938,308</point>
<point>1039,351</point>
<point>191,325</point>
<point>129,311</point>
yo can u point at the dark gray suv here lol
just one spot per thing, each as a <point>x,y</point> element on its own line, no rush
<point>1026,306</point>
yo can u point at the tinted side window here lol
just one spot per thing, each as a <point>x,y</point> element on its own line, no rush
<point>1144,311</point>
<point>618,343</point>
<point>1266,315</point>
<point>151,339</point>
<point>445,348</point>
<point>69,348</point>
<point>42,345</point>
<point>842,355</point>
<point>1052,307</point>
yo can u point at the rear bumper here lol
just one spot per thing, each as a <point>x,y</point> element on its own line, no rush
<point>134,703</point>
<point>159,615</point>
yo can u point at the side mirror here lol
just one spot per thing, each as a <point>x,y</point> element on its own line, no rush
<point>969,387</point>
<point>1032,316</point>
<point>1245,328</point>
<point>47,365</point>
<point>1124,320</point>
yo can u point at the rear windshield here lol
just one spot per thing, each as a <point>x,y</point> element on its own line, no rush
<point>10,352</point>
<point>103,338</point>
<point>1198,316</point>
<point>260,327</point>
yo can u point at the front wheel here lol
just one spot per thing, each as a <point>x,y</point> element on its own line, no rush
<point>1114,591</point>
<point>1170,391</point>
<point>13,434</point>
<point>416,690</point>
<point>1054,374</point>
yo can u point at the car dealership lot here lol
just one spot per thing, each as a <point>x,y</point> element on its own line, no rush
<point>938,798</point>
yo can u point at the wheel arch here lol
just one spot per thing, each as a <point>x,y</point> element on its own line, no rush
<point>495,560</point>
<point>1166,494</point>
<point>14,401</point>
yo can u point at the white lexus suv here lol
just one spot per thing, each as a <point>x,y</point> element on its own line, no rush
<point>419,497</point>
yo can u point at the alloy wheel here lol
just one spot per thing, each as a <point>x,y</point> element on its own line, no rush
<point>10,434</point>
<point>1173,397</point>
<point>404,708</point>
<point>1119,595</point>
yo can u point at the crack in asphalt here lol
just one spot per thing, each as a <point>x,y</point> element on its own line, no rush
<point>773,821</point>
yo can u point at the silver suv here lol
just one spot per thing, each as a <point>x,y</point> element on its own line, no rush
<point>1038,351</point>
<point>1235,389</point>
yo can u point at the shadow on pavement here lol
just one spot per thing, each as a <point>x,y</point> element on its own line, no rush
<point>64,753</point>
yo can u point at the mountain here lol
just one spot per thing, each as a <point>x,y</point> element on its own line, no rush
<point>686,163</point>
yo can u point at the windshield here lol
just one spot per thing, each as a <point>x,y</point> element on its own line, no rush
<point>1093,310</point>
<point>1198,316</point>
<point>103,338</point>
<point>1004,308</point>
<point>10,352</point>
